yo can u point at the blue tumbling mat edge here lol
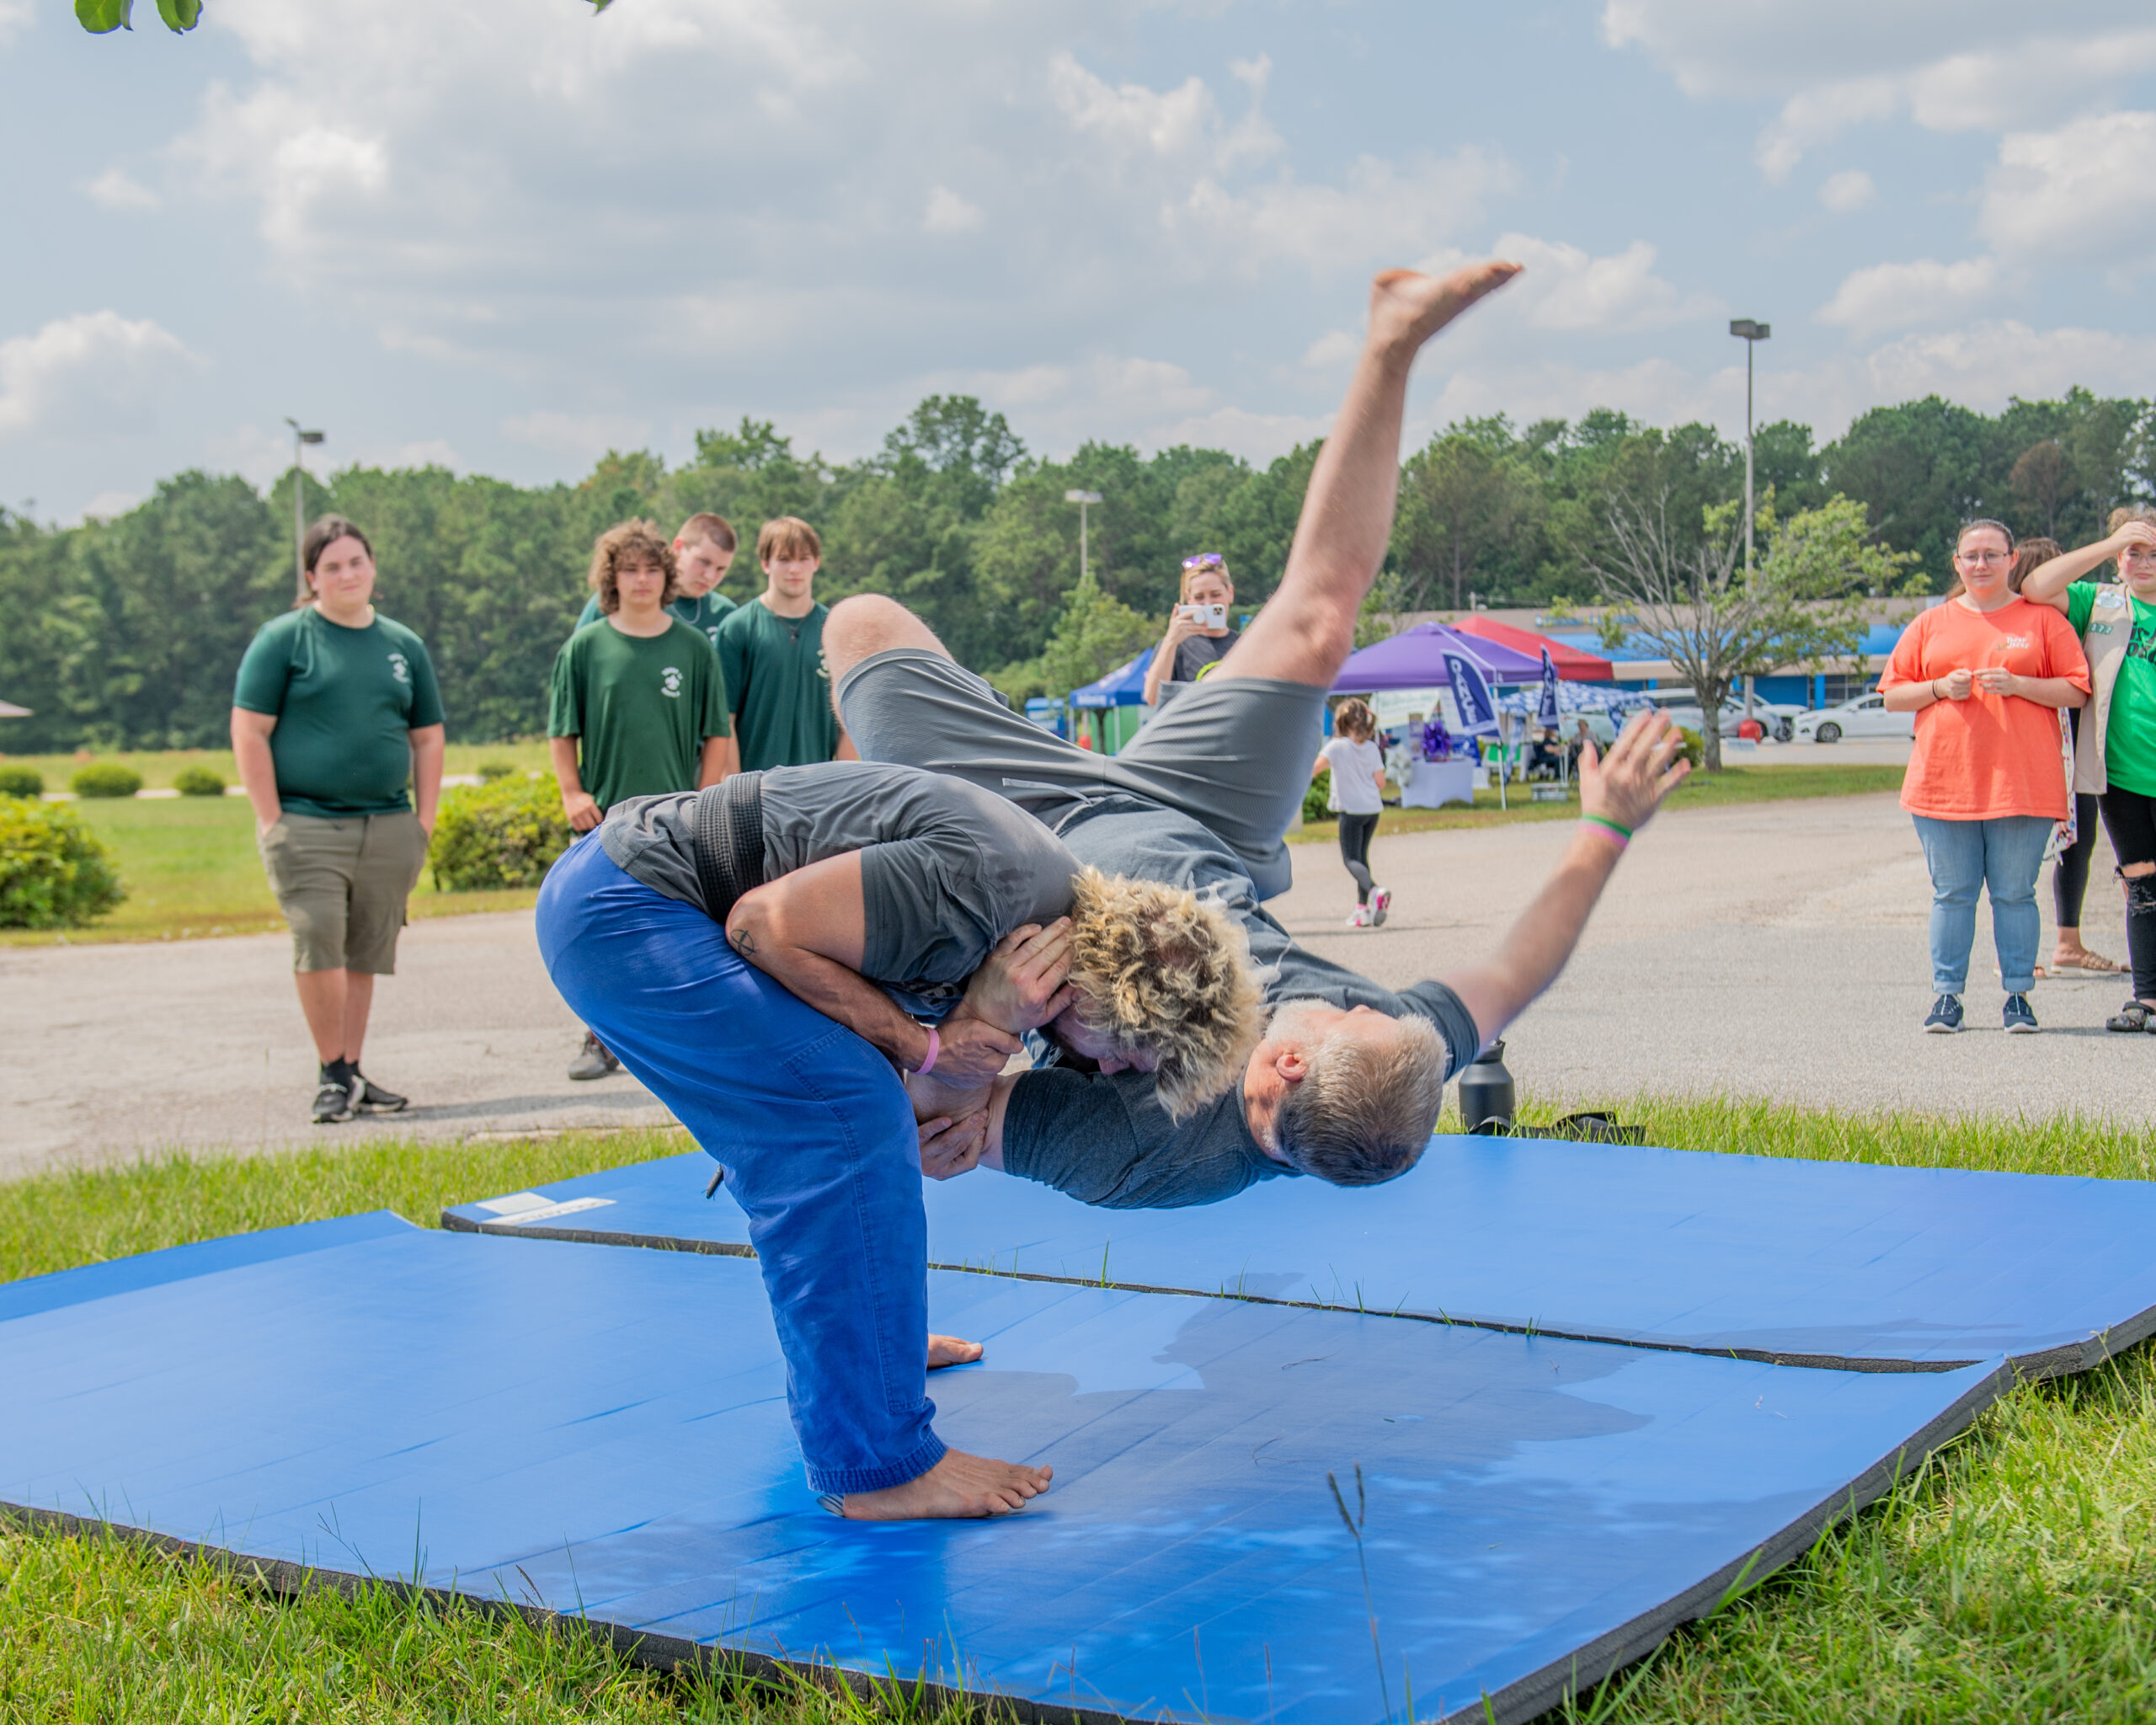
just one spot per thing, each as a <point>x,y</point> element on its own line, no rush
<point>200,1257</point>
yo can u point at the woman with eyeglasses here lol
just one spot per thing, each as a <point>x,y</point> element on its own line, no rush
<point>1199,636</point>
<point>2117,759</point>
<point>1985,671</point>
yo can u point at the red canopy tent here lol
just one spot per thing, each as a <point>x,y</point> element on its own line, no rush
<point>1573,665</point>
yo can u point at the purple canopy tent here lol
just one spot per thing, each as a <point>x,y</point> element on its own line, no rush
<point>1416,659</point>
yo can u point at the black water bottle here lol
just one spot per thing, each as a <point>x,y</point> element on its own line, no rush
<point>1485,1093</point>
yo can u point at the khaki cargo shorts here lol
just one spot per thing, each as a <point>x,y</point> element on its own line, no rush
<point>342,886</point>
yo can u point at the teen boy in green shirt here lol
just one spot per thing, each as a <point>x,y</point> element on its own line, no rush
<point>637,706</point>
<point>703,551</point>
<point>772,651</point>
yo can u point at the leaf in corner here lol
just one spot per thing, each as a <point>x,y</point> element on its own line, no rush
<point>99,16</point>
<point>180,15</point>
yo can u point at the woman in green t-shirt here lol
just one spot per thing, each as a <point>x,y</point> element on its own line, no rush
<point>2116,754</point>
<point>335,714</point>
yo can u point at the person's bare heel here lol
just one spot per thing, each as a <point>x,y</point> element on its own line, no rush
<point>959,1487</point>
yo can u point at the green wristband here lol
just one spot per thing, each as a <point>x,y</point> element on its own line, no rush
<point>1622,832</point>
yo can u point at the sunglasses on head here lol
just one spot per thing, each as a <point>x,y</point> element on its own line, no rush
<point>1205,560</point>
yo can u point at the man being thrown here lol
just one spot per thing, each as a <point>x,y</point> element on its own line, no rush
<point>1349,1081</point>
<point>759,953</point>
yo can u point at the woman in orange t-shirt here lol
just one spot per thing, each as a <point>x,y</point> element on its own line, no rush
<point>1985,673</point>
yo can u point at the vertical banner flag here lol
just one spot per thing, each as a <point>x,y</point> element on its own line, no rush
<point>1471,694</point>
<point>1546,715</point>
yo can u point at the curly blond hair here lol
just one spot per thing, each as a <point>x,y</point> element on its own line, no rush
<point>1155,969</point>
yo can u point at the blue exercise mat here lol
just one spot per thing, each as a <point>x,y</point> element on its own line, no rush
<point>603,1433</point>
<point>1839,1264</point>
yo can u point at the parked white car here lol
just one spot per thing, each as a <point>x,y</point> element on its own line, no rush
<point>1865,717</point>
<point>1778,717</point>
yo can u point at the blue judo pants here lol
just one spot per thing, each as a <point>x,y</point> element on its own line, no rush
<point>817,1138</point>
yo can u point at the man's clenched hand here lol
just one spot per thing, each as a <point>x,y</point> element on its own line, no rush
<point>1020,985</point>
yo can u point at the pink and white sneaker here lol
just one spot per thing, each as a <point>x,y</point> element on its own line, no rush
<point>1380,902</point>
<point>1361,919</point>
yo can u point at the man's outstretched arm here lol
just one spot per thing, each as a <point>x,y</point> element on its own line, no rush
<point>1618,796</point>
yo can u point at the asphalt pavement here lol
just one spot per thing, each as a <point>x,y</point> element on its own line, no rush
<point>1773,949</point>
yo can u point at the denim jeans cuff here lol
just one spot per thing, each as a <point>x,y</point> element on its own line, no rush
<point>842,1480</point>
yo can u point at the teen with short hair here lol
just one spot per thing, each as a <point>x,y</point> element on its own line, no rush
<point>638,705</point>
<point>335,714</point>
<point>772,653</point>
<point>703,551</point>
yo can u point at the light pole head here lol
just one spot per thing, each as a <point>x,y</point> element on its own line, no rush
<point>312,436</point>
<point>1081,497</point>
<point>1750,329</point>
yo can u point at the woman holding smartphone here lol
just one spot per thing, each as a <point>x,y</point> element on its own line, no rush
<point>1199,636</point>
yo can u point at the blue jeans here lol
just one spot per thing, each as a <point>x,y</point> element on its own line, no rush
<point>817,1139</point>
<point>2004,855</point>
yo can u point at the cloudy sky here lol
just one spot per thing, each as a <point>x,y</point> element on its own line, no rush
<point>507,234</point>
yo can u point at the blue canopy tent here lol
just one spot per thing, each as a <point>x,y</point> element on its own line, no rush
<point>1416,659</point>
<point>1113,701</point>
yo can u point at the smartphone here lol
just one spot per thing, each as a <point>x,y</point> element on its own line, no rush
<point>1206,617</point>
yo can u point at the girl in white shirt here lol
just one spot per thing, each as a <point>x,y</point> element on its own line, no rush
<point>1357,796</point>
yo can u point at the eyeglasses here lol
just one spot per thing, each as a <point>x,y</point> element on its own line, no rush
<point>1205,560</point>
<point>1985,556</point>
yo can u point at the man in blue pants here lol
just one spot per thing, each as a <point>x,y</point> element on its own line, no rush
<point>803,1129</point>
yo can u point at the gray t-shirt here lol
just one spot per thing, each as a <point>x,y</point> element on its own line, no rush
<point>1107,1135</point>
<point>947,869</point>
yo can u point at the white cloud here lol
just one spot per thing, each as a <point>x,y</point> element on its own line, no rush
<point>1850,189</point>
<point>15,16</point>
<point>1336,347</point>
<point>578,438</point>
<point>1985,364</point>
<point>107,503</point>
<point>115,189</point>
<point>1886,295</point>
<point>949,213</point>
<point>1567,288</point>
<point>94,373</point>
<point>2086,192</point>
<point>430,452</point>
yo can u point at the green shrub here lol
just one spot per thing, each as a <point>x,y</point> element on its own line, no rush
<point>55,872</point>
<point>1314,798</point>
<point>198,781</point>
<point>1695,746</point>
<point>106,778</point>
<point>505,834</point>
<point>490,771</point>
<point>21,781</point>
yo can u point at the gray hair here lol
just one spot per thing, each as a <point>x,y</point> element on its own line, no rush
<point>1368,1105</point>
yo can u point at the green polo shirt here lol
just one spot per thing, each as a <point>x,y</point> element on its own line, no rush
<point>639,707</point>
<point>346,701</point>
<point>2130,730</point>
<point>780,686</point>
<point>706,614</point>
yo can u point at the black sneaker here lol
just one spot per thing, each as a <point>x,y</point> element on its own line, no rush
<point>1946,1014</point>
<point>333,1101</point>
<point>595,1060</point>
<point>372,1099</point>
<point>2020,1020</point>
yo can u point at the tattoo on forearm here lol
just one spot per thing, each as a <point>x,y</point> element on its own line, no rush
<point>742,942</point>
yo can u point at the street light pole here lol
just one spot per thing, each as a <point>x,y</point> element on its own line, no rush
<point>1085,500</point>
<point>300,441</point>
<point>1753,333</point>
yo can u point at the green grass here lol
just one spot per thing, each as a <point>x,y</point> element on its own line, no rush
<point>191,870</point>
<point>2013,1577</point>
<point>1701,790</point>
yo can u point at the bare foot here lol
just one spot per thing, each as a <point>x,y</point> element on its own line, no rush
<point>958,1488</point>
<point>1408,308</point>
<point>949,1350</point>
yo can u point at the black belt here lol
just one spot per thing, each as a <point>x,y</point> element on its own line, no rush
<point>730,841</point>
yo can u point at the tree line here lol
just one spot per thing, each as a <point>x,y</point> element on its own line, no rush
<point>127,633</point>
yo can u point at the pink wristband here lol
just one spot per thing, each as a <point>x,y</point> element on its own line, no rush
<point>935,1047</point>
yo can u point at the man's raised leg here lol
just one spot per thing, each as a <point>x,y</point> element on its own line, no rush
<point>1307,628</point>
